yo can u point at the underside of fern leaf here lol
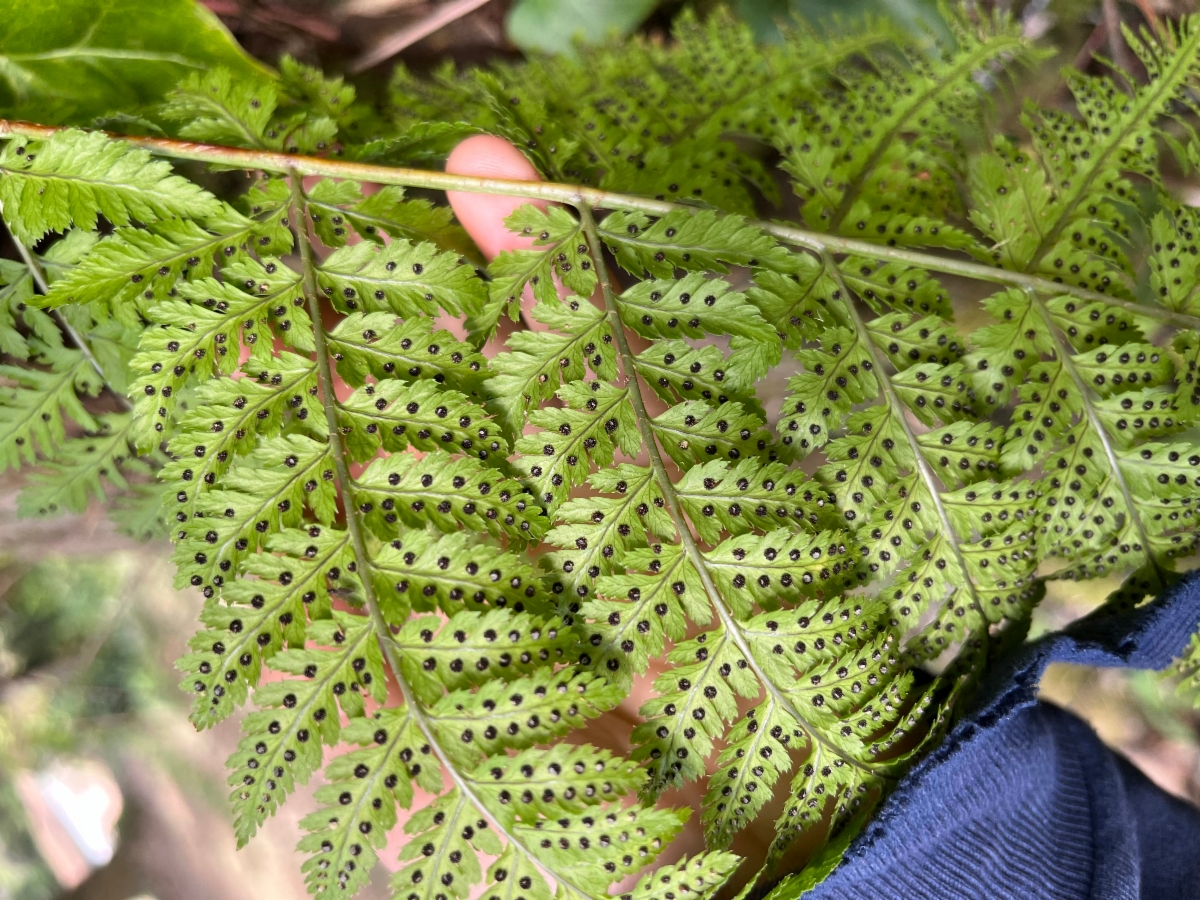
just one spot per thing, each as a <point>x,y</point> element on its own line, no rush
<point>444,546</point>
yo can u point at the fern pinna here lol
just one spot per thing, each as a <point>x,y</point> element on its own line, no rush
<point>455,558</point>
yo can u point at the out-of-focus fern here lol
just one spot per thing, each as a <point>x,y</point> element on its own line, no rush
<point>454,558</point>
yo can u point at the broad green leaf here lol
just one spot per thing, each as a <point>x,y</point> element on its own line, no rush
<point>68,61</point>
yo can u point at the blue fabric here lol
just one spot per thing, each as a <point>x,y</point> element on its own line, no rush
<point>1022,800</point>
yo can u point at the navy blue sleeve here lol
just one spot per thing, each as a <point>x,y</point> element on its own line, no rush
<point>1022,800</point>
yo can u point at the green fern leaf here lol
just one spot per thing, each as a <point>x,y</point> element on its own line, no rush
<point>747,770</point>
<point>217,108</point>
<point>565,780</point>
<point>451,573</point>
<point>700,877</point>
<point>447,493</point>
<point>674,370</point>
<point>748,495</point>
<point>422,415</point>
<point>842,170</point>
<point>559,252</point>
<point>937,393</point>
<point>199,334</point>
<point>541,361</point>
<point>472,649</point>
<point>229,417</point>
<point>441,857</point>
<point>375,344</point>
<point>269,491</point>
<point>698,242</point>
<point>694,432</point>
<point>16,291</point>
<point>389,531</point>
<point>282,743</point>
<point>259,617</point>
<point>340,205</point>
<point>80,470</point>
<point>359,802</point>
<point>570,837</point>
<point>520,713</point>
<point>407,279</point>
<point>1173,266</point>
<point>835,378</point>
<point>596,531</point>
<point>73,177</point>
<point>1062,237</point>
<point>35,409</point>
<point>962,453</point>
<point>691,307</point>
<point>597,420</point>
<point>135,267</point>
<point>910,340</point>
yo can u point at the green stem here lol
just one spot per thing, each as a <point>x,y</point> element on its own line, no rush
<point>687,540</point>
<point>354,528</point>
<point>594,198</point>
<point>81,344</point>
<point>1064,353</point>
<point>899,413</point>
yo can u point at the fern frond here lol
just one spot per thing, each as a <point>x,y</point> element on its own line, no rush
<point>858,176</point>
<point>259,616</point>
<point>1076,232</point>
<point>836,377</point>
<point>81,468</point>
<point>699,877</point>
<point>691,307</point>
<point>403,278</point>
<point>749,496</point>
<point>370,552</point>
<point>445,492</point>
<point>283,739</point>
<point>422,415</point>
<point>199,331</point>
<point>558,252</point>
<point>38,403</point>
<point>610,857</point>
<point>135,267</point>
<point>73,177</point>
<point>539,362</point>
<point>694,432</point>
<point>16,290</point>
<point>220,109</point>
<point>229,417</point>
<point>596,421</point>
<point>281,480</point>
<point>475,648</point>
<point>360,799</point>
<point>339,206</point>
<point>702,241</point>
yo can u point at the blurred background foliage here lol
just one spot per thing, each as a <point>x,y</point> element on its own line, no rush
<point>89,623</point>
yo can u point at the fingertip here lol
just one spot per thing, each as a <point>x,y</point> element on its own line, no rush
<point>483,215</point>
<point>491,157</point>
